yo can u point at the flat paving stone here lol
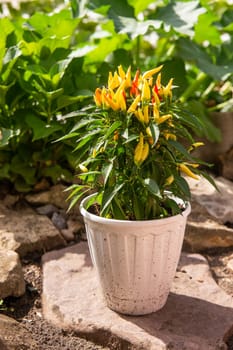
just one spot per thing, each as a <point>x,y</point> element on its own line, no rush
<point>197,316</point>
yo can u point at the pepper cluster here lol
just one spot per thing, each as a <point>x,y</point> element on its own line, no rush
<point>140,96</point>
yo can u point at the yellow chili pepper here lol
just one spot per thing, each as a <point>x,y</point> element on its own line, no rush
<point>146,94</point>
<point>121,72</point>
<point>122,102</point>
<point>141,151</point>
<point>134,104</point>
<point>155,112</point>
<point>83,168</point>
<point>169,180</point>
<point>113,80</point>
<point>187,171</point>
<point>140,115</point>
<point>98,97</point>
<point>195,145</point>
<point>116,135</point>
<point>169,136</point>
<point>156,97</point>
<point>162,119</point>
<point>151,72</point>
<point>146,114</point>
<point>145,152</point>
<point>119,90</point>
<point>167,90</point>
<point>128,78</point>
<point>138,150</point>
<point>158,81</point>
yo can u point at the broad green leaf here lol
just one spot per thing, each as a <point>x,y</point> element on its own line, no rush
<point>152,187</point>
<point>206,31</point>
<point>173,206</point>
<point>134,28</point>
<point>191,52</point>
<point>40,128</point>
<point>6,135</point>
<point>139,5</point>
<point>9,60</point>
<point>65,101</point>
<point>175,68</point>
<point>28,173</point>
<point>180,148</point>
<point>181,16</point>
<point>106,46</point>
<point>121,7</point>
<point>183,186</point>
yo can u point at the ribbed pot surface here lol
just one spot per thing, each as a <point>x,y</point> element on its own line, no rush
<point>136,260</point>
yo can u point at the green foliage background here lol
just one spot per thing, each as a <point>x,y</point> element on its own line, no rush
<point>54,54</point>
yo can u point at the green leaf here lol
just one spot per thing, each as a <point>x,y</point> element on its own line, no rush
<point>154,132</point>
<point>183,187</point>
<point>137,207</point>
<point>41,129</point>
<point>134,28</point>
<point>173,206</point>
<point>78,191</point>
<point>207,128</point>
<point>112,128</point>
<point>117,211</point>
<point>107,170</point>
<point>139,5</point>
<point>180,148</point>
<point>120,7</point>
<point>152,186</point>
<point>192,52</point>
<point>206,31</point>
<point>181,16</point>
<point>108,196</point>
<point>6,135</point>
<point>86,138</point>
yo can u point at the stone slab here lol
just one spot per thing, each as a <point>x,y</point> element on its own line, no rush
<point>197,316</point>
<point>210,224</point>
<point>26,231</point>
<point>14,336</point>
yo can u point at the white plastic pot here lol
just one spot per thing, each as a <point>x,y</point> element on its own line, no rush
<point>136,260</point>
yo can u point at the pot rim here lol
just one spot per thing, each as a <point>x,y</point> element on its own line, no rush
<point>95,218</point>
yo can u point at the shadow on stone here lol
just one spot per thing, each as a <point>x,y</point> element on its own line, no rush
<point>197,315</point>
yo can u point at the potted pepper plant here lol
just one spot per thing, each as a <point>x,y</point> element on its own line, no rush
<point>132,161</point>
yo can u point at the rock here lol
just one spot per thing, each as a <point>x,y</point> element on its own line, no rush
<point>211,151</point>
<point>197,314</point>
<point>59,221</point>
<point>11,277</point>
<point>47,209</point>
<point>55,196</point>
<point>75,227</point>
<point>226,164</point>
<point>68,235</point>
<point>209,224</point>
<point>10,200</point>
<point>27,232</point>
<point>13,336</point>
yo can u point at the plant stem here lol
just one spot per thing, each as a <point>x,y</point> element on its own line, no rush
<point>138,44</point>
<point>191,89</point>
<point>220,105</point>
